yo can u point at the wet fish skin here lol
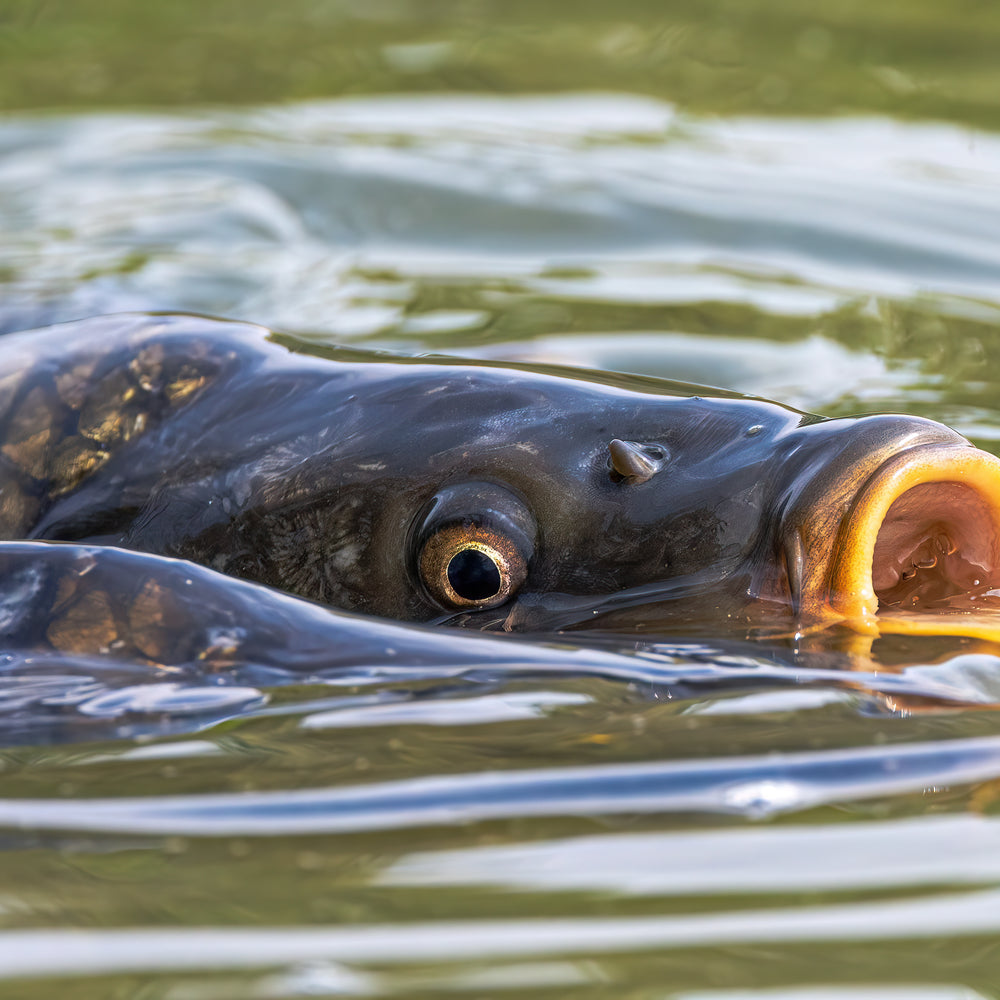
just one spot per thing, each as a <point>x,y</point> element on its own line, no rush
<point>321,476</point>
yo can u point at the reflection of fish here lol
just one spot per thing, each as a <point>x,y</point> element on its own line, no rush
<point>415,490</point>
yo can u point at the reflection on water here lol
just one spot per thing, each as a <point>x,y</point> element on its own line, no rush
<point>750,786</point>
<point>786,858</point>
<point>803,818</point>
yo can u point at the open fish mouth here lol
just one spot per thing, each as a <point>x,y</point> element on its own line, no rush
<point>922,534</point>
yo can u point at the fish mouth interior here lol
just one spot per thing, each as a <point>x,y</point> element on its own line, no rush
<point>937,541</point>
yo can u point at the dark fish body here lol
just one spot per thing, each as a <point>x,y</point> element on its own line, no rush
<point>416,490</point>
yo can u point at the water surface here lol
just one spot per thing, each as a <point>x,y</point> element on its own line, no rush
<point>708,820</point>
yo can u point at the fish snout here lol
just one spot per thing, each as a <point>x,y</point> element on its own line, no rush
<point>924,528</point>
<point>907,527</point>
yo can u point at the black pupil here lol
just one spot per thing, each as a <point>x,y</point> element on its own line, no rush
<point>473,575</point>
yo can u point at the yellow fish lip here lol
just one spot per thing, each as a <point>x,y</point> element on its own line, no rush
<point>931,509</point>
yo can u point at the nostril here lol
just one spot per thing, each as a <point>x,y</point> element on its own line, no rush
<point>632,462</point>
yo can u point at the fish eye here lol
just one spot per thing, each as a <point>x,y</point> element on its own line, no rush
<point>471,567</point>
<point>474,546</point>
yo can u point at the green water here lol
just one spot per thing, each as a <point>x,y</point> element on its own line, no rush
<point>907,58</point>
<point>797,202</point>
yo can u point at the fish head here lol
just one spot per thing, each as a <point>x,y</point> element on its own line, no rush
<point>558,503</point>
<point>500,497</point>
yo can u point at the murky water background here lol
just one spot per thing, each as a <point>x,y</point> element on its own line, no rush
<point>796,205</point>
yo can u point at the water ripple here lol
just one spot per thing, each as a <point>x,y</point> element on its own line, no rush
<point>754,786</point>
<point>772,859</point>
<point>270,213</point>
<point>101,952</point>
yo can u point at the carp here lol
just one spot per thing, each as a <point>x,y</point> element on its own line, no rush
<point>428,490</point>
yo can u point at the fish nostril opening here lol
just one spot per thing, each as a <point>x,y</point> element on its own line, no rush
<point>937,541</point>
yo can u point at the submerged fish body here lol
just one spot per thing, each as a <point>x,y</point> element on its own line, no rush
<point>422,490</point>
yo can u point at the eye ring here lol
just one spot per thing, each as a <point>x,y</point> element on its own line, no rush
<point>460,582</point>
